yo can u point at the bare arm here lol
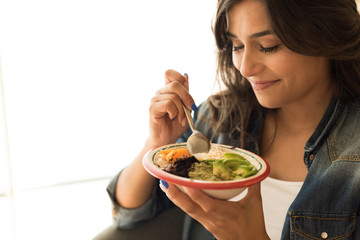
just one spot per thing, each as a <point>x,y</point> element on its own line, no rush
<point>166,124</point>
<point>135,185</point>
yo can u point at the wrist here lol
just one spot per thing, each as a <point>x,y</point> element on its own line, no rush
<point>152,143</point>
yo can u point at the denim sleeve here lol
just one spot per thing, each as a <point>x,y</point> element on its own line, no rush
<point>125,218</point>
<point>158,201</point>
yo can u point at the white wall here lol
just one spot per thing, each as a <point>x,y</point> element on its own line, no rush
<point>78,76</point>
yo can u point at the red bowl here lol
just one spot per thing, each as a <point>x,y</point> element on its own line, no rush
<point>216,189</point>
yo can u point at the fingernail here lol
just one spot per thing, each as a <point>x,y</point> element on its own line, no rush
<point>173,119</point>
<point>165,184</point>
<point>185,74</point>
<point>194,107</point>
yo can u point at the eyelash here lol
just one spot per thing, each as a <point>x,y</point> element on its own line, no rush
<point>262,49</point>
<point>270,49</point>
<point>237,48</point>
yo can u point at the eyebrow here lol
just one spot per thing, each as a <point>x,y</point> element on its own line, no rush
<point>255,35</point>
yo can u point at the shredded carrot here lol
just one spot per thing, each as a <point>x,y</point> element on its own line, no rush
<point>173,154</point>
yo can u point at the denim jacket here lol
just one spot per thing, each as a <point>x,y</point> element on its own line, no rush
<point>328,204</point>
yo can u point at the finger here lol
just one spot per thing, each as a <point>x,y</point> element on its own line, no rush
<point>171,76</point>
<point>165,107</point>
<point>255,190</point>
<point>187,81</point>
<point>206,203</point>
<point>174,76</point>
<point>254,193</point>
<point>170,101</point>
<point>183,201</point>
<point>177,88</point>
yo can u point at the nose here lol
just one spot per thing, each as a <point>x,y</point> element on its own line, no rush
<point>249,63</point>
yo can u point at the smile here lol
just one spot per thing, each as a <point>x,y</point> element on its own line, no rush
<point>262,85</point>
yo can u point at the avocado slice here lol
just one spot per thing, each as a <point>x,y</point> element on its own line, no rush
<point>230,155</point>
<point>221,171</point>
<point>231,162</point>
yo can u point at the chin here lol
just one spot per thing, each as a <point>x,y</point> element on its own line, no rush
<point>269,102</point>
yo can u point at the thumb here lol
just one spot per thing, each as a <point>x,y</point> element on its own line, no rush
<point>254,191</point>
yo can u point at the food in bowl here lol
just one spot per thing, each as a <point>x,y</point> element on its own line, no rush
<point>160,167</point>
<point>217,165</point>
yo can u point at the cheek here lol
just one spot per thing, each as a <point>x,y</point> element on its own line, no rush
<point>236,60</point>
<point>284,67</point>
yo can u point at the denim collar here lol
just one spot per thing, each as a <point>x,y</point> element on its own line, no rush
<point>325,125</point>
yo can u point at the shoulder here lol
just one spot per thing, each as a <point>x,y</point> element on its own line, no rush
<point>345,138</point>
<point>203,113</point>
<point>354,107</point>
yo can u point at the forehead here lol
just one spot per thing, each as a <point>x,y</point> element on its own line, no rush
<point>247,17</point>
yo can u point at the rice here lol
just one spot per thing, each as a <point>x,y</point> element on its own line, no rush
<point>215,153</point>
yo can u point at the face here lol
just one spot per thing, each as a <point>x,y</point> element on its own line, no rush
<point>278,76</point>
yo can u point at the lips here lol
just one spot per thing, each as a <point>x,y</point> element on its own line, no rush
<point>262,85</point>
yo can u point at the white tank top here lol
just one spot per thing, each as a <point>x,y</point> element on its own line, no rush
<point>277,197</point>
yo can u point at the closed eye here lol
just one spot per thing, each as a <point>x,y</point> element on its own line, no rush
<point>237,48</point>
<point>262,49</point>
<point>270,49</point>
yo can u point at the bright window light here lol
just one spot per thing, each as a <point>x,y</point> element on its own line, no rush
<point>78,76</point>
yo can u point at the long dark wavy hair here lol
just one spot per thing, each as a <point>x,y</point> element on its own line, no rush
<point>326,28</point>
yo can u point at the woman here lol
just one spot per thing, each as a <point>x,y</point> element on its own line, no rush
<point>291,71</point>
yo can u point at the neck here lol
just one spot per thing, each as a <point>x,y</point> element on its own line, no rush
<point>299,119</point>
